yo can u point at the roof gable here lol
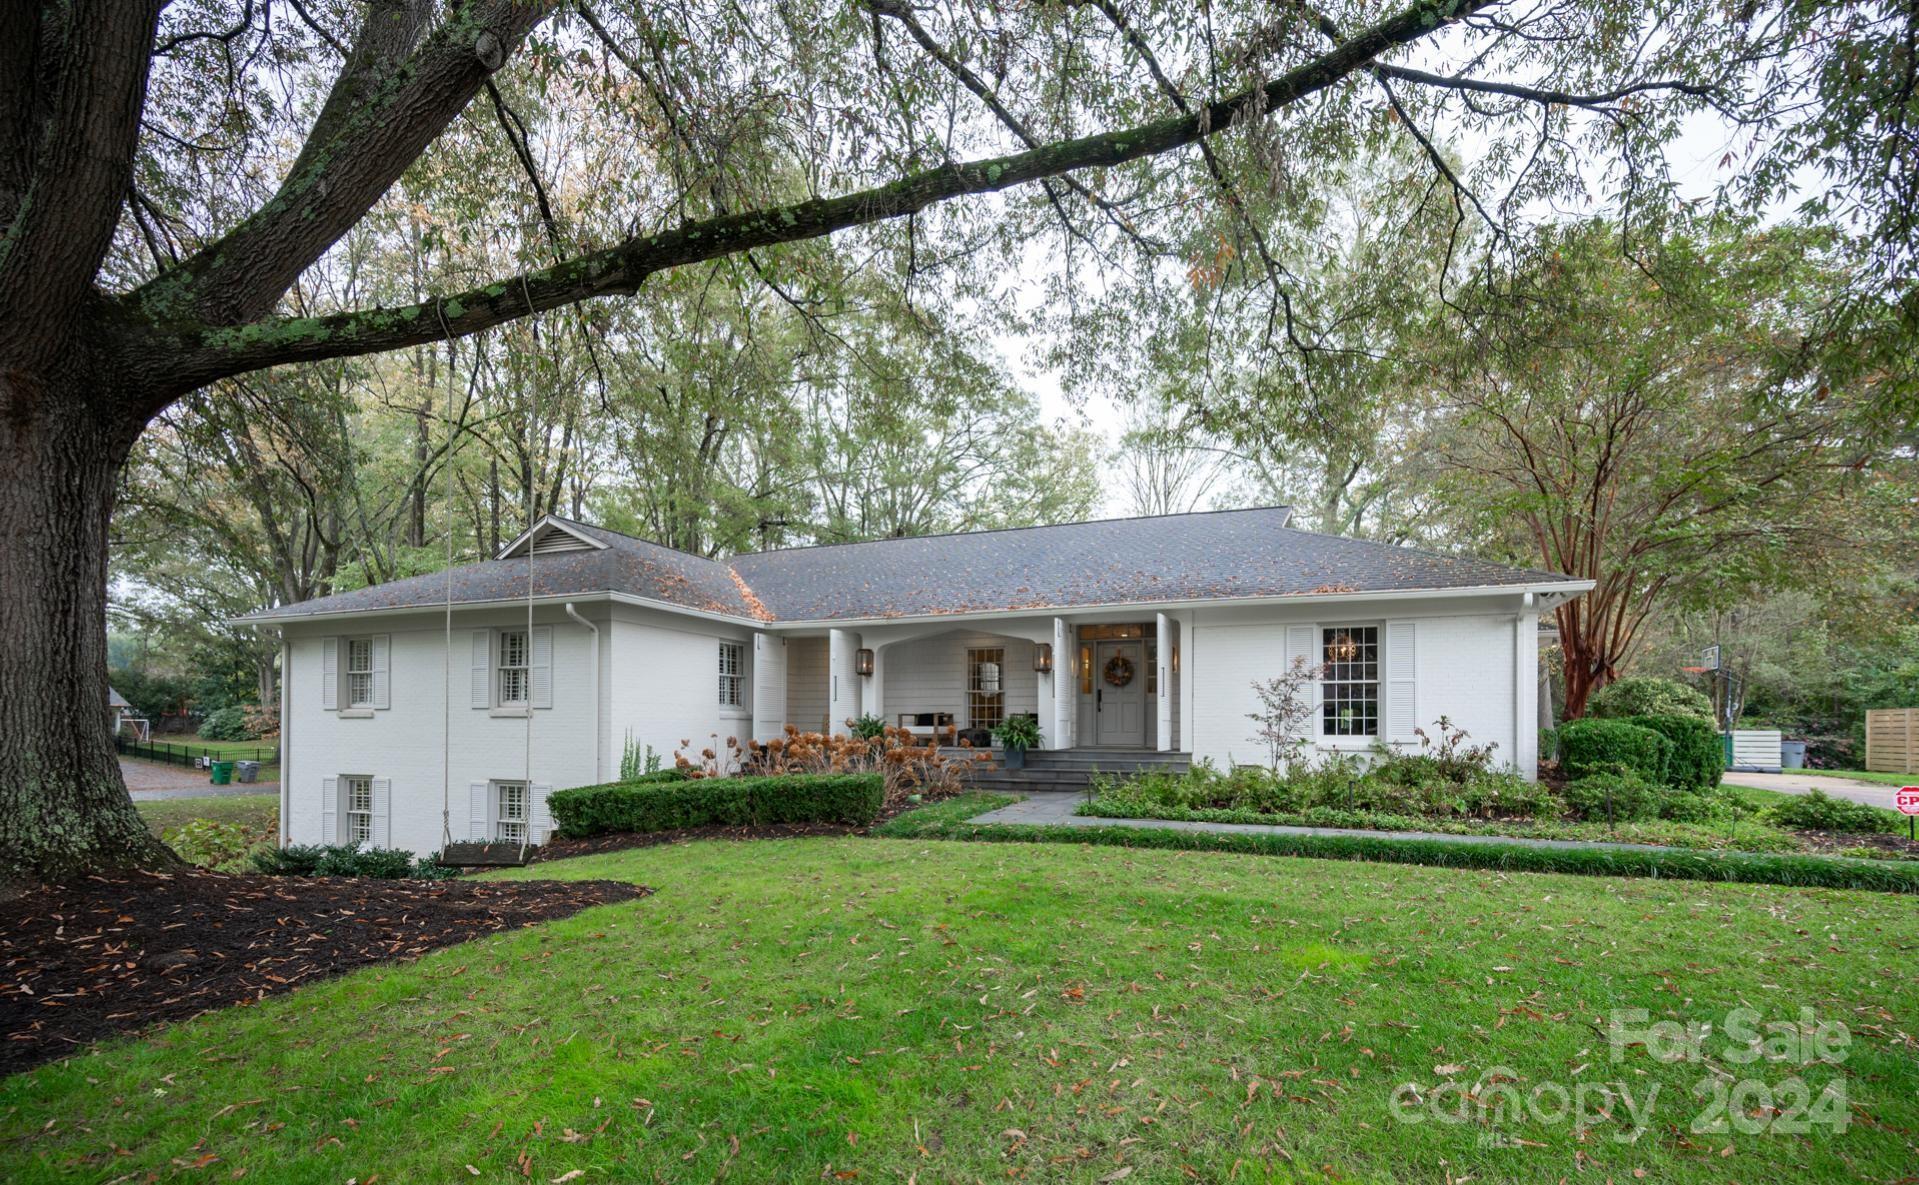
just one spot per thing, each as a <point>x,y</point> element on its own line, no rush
<point>549,535</point>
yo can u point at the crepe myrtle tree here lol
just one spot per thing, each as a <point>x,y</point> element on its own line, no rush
<point>912,107</point>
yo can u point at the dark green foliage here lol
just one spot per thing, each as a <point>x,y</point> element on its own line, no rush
<point>702,802</point>
<point>1698,754</point>
<point>1018,732</point>
<point>209,842</point>
<point>1613,797</point>
<point>345,860</point>
<point>1414,785</point>
<point>151,695</point>
<point>1643,696</point>
<point>1549,744</point>
<point>869,727</point>
<point>669,774</point>
<point>1819,811</point>
<point>1593,746</point>
<point>227,724</point>
<point>1747,867</point>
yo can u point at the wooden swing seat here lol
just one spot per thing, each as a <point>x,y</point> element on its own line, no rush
<point>485,855</point>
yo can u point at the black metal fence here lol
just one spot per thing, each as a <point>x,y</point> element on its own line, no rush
<point>192,755</point>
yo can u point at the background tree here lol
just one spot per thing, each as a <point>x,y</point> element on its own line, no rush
<point>1681,429</point>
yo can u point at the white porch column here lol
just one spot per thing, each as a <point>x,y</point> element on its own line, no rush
<point>1065,685</point>
<point>872,700</point>
<point>842,685</point>
<point>1526,689</point>
<point>1163,680</point>
<point>769,686</point>
<point>1183,675</point>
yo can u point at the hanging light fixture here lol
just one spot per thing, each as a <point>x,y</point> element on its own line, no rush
<point>862,662</point>
<point>1344,647</point>
<point>1043,658</point>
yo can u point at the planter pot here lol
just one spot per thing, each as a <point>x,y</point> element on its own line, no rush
<point>1015,759</point>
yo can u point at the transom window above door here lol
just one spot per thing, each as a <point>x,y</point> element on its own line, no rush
<point>1349,706</point>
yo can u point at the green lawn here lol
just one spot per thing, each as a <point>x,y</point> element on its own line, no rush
<point>255,812</point>
<point>264,751</point>
<point>897,1010</point>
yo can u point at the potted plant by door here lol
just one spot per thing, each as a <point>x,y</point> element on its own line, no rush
<point>1017,734</point>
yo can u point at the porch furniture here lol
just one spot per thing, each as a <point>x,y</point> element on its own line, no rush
<point>939,726</point>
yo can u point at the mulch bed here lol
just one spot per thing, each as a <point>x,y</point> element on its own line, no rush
<point>106,956</point>
<point>1829,842</point>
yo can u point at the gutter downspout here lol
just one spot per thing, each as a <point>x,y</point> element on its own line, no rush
<point>599,747</point>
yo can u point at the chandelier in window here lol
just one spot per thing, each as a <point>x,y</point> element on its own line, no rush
<point>1343,647</point>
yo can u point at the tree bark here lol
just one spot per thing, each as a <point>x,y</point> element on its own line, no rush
<point>64,809</point>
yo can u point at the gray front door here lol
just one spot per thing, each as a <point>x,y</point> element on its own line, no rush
<point>1119,708</point>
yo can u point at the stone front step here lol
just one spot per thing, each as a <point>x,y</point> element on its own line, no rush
<point>1072,770</point>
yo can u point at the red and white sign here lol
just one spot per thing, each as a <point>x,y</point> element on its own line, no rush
<point>1908,799</point>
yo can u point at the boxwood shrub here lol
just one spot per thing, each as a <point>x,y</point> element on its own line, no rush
<point>1628,797</point>
<point>664,804</point>
<point>1592,746</point>
<point>1819,811</point>
<point>1698,755</point>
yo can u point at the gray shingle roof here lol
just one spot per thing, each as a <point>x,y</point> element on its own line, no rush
<point>1219,555</point>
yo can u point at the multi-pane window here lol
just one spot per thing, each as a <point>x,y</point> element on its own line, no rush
<point>359,672</point>
<point>985,694</point>
<point>732,675</point>
<point>512,675</point>
<point>1350,706</point>
<point>359,810</point>
<point>510,812</point>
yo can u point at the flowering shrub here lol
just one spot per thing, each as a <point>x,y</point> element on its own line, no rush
<point>909,766</point>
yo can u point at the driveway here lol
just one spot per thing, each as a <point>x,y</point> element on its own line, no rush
<point>155,779</point>
<point>1870,793</point>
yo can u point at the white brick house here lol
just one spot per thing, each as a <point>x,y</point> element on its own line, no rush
<point>448,706</point>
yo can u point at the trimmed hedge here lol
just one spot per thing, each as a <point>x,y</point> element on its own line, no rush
<point>1747,867</point>
<point>1698,755</point>
<point>1610,797</point>
<point>1592,746</point>
<point>656,803</point>
<point>1642,696</point>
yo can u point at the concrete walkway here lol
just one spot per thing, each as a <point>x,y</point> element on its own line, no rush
<point>1057,808</point>
<point>1870,793</point>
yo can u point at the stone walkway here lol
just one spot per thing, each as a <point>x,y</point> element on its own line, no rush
<point>1055,808</point>
<point>1870,793</point>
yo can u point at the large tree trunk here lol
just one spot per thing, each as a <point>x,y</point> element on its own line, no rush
<point>64,809</point>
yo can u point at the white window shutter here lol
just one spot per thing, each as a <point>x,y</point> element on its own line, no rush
<point>479,812</point>
<point>330,675</point>
<point>539,818</point>
<point>482,693</point>
<point>540,668</point>
<point>382,647</point>
<point>1402,682</point>
<point>1302,642</point>
<point>382,812</point>
<point>329,809</point>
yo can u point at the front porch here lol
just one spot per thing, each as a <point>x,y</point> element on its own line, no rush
<point>1095,685</point>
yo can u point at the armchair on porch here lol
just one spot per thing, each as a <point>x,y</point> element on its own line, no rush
<point>930,727</point>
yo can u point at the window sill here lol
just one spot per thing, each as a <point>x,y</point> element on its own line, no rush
<point>507,713</point>
<point>735,714</point>
<point>356,713</point>
<point>1350,744</point>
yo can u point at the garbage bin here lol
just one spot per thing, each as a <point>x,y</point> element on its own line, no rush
<point>222,773</point>
<point>1792,754</point>
<point>246,771</point>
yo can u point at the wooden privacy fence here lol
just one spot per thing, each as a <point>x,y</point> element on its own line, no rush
<point>1892,740</point>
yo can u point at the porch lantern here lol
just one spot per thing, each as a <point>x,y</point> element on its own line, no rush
<point>862,661</point>
<point>1043,658</point>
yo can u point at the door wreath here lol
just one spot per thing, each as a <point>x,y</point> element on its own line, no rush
<point>1119,670</point>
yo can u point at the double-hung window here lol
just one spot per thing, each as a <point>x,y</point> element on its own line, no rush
<point>359,809</point>
<point>359,672</point>
<point>732,675</point>
<point>1350,704</point>
<point>985,696</point>
<point>510,812</point>
<point>511,669</point>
